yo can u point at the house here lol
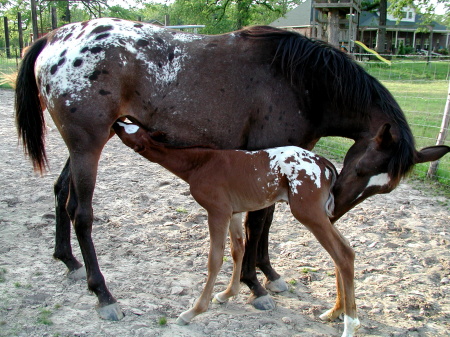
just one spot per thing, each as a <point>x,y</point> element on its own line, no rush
<point>310,19</point>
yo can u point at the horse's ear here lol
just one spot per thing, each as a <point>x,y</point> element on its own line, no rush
<point>431,153</point>
<point>384,137</point>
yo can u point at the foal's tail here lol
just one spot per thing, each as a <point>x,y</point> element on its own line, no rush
<point>29,115</point>
<point>329,205</point>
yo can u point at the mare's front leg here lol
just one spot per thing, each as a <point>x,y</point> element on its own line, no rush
<point>83,167</point>
<point>257,225</point>
<point>218,224</point>
<point>237,252</point>
<point>63,248</point>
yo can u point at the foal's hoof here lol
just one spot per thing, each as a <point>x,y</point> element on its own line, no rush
<point>181,321</point>
<point>110,312</point>
<point>277,286</point>
<point>330,315</point>
<point>76,275</point>
<point>263,302</point>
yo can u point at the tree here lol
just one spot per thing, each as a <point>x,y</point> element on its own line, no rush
<point>333,25</point>
<point>225,15</point>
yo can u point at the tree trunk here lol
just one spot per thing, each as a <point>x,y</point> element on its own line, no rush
<point>333,27</point>
<point>381,32</point>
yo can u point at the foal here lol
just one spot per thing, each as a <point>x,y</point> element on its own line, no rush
<point>229,182</point>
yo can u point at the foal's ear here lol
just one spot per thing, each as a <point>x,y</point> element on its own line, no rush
<point>431,153</point>
<point>384,137</point>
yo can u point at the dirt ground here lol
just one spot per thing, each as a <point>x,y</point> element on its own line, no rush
<point>152,243</point>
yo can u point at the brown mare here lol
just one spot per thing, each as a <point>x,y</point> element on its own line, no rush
<point>257,88</point>
<point>229,182</point>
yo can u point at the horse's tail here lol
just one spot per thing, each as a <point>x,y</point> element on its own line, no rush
<point>29,115</point>
<point>329,205</point>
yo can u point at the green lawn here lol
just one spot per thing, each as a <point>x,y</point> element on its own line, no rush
<point>7,66</point>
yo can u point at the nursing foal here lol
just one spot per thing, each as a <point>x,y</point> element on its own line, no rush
<point>229,182</point>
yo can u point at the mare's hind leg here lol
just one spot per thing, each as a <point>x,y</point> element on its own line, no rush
<point>63,249</point>
<point>83,167</point>
<point>237,252</point>
<point>218,224</point>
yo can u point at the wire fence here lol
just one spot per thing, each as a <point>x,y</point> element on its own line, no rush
<point>420,85</point>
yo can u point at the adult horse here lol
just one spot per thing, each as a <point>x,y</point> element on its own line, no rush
<point>256,88</point>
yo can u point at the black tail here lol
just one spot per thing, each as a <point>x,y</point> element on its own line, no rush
<point>29,115</point>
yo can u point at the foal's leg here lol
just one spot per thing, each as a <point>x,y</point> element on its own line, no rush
<point>63,249</point>
<point>338,309</point>
<point>218,225</point>
<point>237,252</point>
<point>83,166</point>
<point>341,253</point>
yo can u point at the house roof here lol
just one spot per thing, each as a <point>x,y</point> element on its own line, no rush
<point>299,16</point>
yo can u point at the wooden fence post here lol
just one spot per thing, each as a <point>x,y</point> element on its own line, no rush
<point>8,50</point>
<point>442,134</point>
<point>19,27</point>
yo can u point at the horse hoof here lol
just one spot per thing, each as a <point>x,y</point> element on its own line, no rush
<point>263,302</point>
<point>329,315</point>
<point>218,300</point>
<point>277,286</point>
<point>181,321</point>
<point>78,274</point>
<point>111,312</point>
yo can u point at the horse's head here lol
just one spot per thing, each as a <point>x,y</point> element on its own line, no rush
<point>375,166</point>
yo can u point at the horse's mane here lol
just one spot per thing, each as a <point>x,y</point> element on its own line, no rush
<point>329,76</point>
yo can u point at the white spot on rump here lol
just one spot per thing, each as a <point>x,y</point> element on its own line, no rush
<point>129,128</point>
<point>80,44</point>
<point>291,160</point>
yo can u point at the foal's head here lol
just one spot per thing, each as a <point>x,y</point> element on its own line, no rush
<point>136,137</point>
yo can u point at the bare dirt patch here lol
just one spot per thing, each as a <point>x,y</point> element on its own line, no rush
<point>152,243</point>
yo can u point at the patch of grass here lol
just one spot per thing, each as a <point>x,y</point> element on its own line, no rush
<point>409,70</point>
<point>306,270</point>
<point>225,259</point>
<point>44,317</point>
<point>292,282</point>
<point>162,321</point>
<point>3,272</point>
<point>181,210</point>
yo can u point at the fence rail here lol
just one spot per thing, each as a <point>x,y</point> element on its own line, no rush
<point>420,86</point>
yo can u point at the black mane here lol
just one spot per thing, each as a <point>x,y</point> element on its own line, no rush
<point>330,77</point>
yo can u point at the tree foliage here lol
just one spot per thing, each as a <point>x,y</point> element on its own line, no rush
<point>218,16</point>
